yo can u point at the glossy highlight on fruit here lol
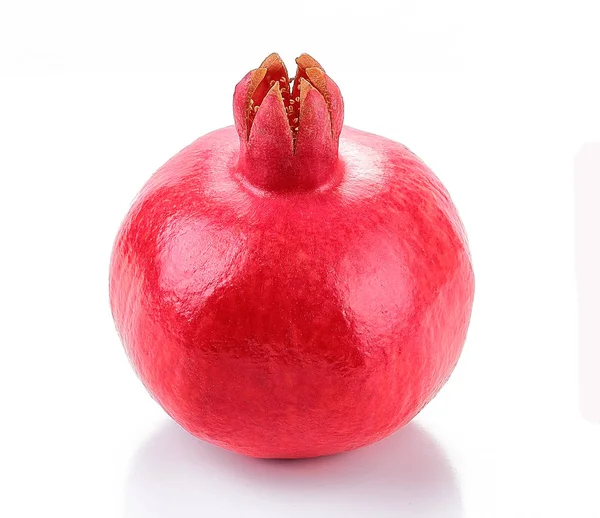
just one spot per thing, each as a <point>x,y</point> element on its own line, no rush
<point>290,287</point>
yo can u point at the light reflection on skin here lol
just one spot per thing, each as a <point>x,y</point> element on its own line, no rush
<point>199,258</point>
<point>363,172</point>
<point>375,286</point>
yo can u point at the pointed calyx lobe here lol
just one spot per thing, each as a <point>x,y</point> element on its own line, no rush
<point>289,130</point>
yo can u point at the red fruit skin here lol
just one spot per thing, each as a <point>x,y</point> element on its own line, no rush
<point>292,324</point>
<point>292,289</point>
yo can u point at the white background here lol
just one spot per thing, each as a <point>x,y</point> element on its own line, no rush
<point>497,98</point>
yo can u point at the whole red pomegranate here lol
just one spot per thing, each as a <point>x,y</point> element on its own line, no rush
<point>291,287</point>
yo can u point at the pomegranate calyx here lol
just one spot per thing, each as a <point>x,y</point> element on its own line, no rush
<point>252,90</point>
<point>289,128</point>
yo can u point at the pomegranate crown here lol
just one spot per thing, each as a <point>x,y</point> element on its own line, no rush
<point>289,128</point>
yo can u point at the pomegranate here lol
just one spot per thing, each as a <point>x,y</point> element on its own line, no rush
<point>290,287</point>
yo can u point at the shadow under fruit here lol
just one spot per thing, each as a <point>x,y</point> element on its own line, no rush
<point>290,287</point>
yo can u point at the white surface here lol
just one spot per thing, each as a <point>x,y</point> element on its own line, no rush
<point>496,98</point>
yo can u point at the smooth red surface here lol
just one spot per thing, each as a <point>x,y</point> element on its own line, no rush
<point>292,319</point>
